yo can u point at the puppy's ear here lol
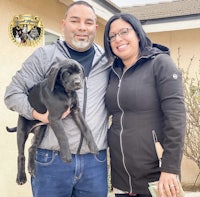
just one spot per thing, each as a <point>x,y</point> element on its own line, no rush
<point>52,77</point>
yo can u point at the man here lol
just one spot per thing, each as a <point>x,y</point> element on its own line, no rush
<point>86,175</point>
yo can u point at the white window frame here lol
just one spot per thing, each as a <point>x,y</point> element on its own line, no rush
<point>53,33</point>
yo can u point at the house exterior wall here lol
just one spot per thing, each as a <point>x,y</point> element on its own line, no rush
<point>11,58</point>
<point>51,13</point>
<point>187,41</point>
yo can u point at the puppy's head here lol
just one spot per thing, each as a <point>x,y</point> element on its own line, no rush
<point>68,73</point>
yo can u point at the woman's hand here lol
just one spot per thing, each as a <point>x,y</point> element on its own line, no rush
<point>168,185</point>
<point>44,117</point>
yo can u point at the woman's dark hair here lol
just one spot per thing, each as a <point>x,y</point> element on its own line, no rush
<point>136,25</point>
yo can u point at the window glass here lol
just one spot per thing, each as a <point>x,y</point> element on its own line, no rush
<point>50,37</point>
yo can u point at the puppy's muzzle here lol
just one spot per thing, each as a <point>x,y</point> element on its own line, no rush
<point>76,84</point>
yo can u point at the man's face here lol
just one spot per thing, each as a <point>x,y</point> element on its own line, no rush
<point>79,27</point>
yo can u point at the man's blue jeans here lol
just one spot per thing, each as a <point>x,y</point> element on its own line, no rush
<point>85,176</point>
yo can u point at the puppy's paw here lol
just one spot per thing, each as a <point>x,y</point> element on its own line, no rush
<point>21,178</point>
<point>31,170</point>
<point>93,148</point>
<point>66,157</point>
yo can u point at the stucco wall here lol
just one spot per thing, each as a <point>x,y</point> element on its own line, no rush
<point>51,13</point>
<point>187,40</point>
<point>11,58</point>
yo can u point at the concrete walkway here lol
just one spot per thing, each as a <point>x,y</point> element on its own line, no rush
<point>192,194</point>
<point>187,194</point>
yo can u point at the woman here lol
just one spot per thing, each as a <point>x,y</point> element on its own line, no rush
<point>144,95</point>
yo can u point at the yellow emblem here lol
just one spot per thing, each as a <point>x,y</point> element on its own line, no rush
<point>26,30</point>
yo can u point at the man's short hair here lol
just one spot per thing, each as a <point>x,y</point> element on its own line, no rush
<point>79,3</point>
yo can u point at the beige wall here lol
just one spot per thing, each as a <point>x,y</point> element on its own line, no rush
<point>12,56</point>
<point>187,40</point>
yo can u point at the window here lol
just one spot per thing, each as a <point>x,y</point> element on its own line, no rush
<point>50,37</point>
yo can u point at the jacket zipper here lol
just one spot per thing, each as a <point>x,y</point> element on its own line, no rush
<point>121,132</point>
<point>66,53</point>
<point>85,98</point>
<point>86,86</point>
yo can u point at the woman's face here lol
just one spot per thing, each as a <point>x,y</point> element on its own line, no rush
<point>124,41</point>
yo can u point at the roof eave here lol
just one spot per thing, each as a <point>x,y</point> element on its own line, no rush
<point>172,24</point>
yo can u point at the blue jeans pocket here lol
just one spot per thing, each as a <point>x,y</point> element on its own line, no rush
<point>45,157</point>
<point>101,156</point>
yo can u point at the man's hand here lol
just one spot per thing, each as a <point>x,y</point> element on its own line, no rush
<point>44,117</point>
<point>66,113</point>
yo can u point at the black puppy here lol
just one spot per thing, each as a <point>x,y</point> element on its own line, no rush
<point>56,94</point>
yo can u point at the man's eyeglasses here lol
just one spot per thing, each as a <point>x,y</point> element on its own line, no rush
<point>122,33</point>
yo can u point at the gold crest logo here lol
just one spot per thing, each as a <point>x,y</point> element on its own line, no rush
<point>26,30</point>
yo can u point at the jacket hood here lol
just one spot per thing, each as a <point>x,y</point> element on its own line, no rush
<point>155,49</point>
